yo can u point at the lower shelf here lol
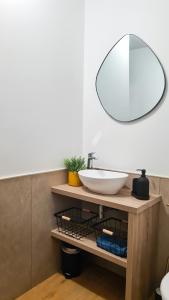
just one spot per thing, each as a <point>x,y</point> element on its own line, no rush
<point>89,244</point>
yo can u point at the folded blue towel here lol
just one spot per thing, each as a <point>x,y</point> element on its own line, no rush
<point>113,244</point>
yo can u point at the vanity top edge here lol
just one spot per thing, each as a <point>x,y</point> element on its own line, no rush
<point>122,201</point>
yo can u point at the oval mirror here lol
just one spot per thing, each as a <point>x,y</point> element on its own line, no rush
<point>131,80</point>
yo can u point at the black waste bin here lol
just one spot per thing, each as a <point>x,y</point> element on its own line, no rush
<point>71,260</point>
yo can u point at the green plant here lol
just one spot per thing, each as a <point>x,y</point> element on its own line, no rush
<point>75,164</point>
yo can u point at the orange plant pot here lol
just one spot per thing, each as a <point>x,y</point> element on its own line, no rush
<point>73,179</point>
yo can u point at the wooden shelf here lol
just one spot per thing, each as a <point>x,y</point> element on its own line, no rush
<point>89,244</point>
<point>122,201</point>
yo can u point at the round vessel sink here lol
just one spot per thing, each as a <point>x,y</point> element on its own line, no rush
<point>164,287</point>
<point>103,182</point>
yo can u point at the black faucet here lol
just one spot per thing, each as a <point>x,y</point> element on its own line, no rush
<point>91,157</point>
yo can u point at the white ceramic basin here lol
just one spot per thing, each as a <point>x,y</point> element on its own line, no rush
<point>103,182</point>
<point>164,288</point>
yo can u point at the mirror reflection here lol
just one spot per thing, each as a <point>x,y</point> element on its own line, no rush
<point>131,80</point>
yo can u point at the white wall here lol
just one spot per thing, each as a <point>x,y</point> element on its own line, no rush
<point>143,143</point>
<point>41,75</point>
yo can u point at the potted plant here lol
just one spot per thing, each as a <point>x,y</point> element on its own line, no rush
<point>73,165</point>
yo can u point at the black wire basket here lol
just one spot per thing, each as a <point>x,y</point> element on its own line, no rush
<point>76,222</point>
<point>111,235</point>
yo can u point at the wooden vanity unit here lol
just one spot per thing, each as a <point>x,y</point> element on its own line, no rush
<point>142,234</point>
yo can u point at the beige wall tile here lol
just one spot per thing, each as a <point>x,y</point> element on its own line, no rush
<point>154,184</point>
<point>15,237</point>
<point>28,254</point>
<point>45,250</point>
<point>130,180</point>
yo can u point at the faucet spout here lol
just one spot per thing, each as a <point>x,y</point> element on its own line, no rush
<point>91,157</point>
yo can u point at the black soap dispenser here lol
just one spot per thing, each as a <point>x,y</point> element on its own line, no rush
<point>141,186</point>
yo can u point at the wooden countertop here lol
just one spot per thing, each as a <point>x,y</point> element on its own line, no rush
<point>122,201</point>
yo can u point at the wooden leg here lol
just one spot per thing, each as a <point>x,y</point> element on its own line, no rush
<point>142,233</point>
